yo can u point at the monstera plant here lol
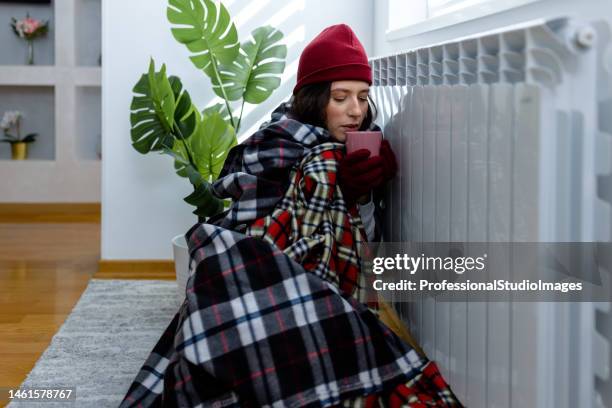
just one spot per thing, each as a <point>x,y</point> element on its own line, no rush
<point>163,117</point>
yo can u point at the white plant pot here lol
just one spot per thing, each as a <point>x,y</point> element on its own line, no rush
<point>181,265</point>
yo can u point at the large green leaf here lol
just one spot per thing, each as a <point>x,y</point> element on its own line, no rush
<point>151,129</point>
<point>219,108</point>
<point>255,73</point>
<point>205,30</point>
<point>162,95</point>
<point>210,145</point>
<point>185,113</point>
<point>159,107</point>
<point>179,151</point>
<point>181,147</point>
<point>206,203</point>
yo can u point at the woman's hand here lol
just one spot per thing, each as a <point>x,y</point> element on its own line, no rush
<point>359,174</point>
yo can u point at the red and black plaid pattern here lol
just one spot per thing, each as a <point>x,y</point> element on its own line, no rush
<point>256,173</point>
<point>426,390</point>
<point>311,223</point>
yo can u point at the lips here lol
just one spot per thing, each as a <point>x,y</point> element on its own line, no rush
<point>351,127</point>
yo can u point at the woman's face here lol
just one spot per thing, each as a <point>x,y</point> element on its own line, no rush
<point>347,107</point>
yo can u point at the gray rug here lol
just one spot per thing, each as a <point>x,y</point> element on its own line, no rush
<point>105,341</point>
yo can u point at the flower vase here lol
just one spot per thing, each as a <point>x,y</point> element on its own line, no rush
<point>19,150</point>
<point>30,60</point>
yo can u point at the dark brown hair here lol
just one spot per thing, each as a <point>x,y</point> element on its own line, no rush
<point>309,103</point>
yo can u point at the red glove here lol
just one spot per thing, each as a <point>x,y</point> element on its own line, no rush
<point>389,161</point>
<point>358,174</point>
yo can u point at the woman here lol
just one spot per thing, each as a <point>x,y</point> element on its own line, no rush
<point>274,312</point>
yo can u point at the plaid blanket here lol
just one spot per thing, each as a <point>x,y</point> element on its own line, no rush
<point>272,315</point>
<point>256,172</point>
<point>312,225</point>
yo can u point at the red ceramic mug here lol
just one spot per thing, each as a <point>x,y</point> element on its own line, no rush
<point>369,140</point>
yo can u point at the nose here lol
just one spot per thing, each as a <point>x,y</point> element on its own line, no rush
<point>354,110</point>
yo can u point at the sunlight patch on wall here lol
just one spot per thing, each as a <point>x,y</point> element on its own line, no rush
<point>296,36</point>
<point>249,11</point>
<point>283,14</point>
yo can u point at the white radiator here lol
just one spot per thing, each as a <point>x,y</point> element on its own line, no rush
<point>505,137</point>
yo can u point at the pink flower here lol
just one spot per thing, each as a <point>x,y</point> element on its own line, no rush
<point>29,28</point>
<point>30,25</point>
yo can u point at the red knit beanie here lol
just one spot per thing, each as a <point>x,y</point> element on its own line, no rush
<point>334,55</point>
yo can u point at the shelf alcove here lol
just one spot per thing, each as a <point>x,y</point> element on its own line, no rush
<point>88,26</point>
<point>88,118</point>
<point>36,103</point>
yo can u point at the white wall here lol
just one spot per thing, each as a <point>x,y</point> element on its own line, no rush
<point>585,9</point>
<point>142,198</point>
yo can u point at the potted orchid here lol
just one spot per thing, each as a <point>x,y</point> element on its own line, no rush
<point>29,29</point>
<point>11,127</point>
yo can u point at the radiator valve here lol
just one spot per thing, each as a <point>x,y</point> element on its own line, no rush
<point>585,37</point>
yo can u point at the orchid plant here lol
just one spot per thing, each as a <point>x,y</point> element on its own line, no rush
<point>11,122</point>
<point>30,29</point>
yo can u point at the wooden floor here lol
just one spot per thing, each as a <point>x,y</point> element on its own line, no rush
<point>44,269</point>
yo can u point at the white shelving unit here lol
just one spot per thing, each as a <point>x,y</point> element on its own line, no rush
<point>66,167</point>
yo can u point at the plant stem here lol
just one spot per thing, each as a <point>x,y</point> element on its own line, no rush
<point>187,148</point>
<point>30,60</point>
<point>214,64</point>
<point>240,117</point>
<point>191,162</point>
